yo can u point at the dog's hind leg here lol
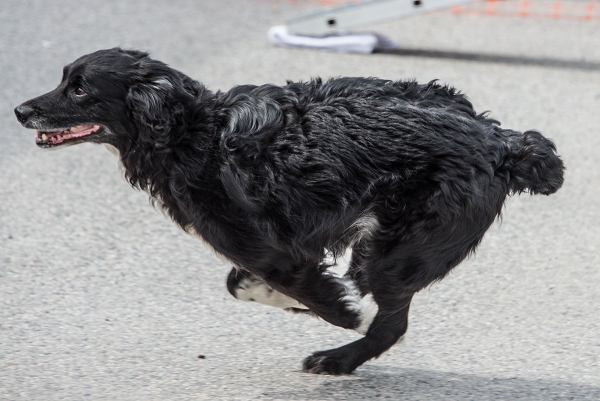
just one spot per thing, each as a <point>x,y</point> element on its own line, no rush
<point>393,295</point>
<point>356,267</point>
<point>387,329</point>
<point>394,274</point>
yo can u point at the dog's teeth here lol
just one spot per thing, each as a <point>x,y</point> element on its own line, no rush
<point>44,137</point>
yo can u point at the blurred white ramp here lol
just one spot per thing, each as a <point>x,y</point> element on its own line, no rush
<point>336,41</point>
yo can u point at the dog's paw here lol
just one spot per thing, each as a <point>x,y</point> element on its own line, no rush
<point>327,363</point>
<point>247,287</point>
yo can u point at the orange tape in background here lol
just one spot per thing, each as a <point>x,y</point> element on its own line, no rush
<point>588,10</point>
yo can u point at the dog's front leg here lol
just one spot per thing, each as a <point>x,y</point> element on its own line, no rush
<point>307,289</point>
<point>248,287</point>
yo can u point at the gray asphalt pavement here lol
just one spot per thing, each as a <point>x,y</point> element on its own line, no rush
<point>101,297</point>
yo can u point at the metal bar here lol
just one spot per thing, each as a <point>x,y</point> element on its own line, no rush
<point>367,12</point>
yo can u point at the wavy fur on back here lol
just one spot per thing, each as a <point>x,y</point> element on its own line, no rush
<point>276,177</point>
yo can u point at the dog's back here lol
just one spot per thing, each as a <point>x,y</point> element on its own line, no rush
<point>320,155</point>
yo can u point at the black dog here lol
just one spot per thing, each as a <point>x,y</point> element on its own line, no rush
<point>278,178</point>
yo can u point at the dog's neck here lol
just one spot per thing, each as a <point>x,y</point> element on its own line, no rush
<point>179,169</point>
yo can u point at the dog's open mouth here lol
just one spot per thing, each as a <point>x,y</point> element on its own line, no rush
<point>53,138</point>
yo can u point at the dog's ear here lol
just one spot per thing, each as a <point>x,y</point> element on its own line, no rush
<point>155,100</point>
<point>147,102</point>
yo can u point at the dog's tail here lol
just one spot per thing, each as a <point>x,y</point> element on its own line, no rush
<point>532,163</point>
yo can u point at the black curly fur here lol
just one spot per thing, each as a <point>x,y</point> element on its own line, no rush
<point>275,177</point>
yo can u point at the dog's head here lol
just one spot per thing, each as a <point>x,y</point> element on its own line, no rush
<point>107,97</point>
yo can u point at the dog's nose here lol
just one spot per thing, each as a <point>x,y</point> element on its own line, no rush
<point>23,113</point>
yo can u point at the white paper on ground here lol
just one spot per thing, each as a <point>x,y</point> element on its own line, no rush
<point>341,42</point>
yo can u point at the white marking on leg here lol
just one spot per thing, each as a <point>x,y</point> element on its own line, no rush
<point>339,266</point>
<point>368,312</point>
<point>255,290</point>
<point>366,307</point>
<point>351,295</point>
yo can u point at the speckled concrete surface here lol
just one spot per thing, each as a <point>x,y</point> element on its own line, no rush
<point>101,297</point>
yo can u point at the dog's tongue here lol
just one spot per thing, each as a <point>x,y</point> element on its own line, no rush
<point>74,132</point>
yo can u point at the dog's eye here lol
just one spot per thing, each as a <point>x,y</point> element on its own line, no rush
<point>79,91</point>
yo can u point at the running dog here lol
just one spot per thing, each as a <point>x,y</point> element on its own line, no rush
<point>281,179</point>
